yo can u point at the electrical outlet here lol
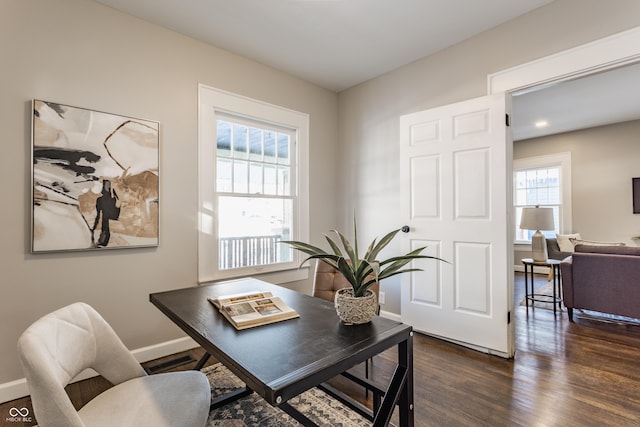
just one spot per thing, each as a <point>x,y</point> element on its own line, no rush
<point>381,298</point>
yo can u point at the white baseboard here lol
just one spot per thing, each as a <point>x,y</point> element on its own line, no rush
<point>166,348</point>
<point>16,389</point>
<point>13,390</point>
<point>390,315</point>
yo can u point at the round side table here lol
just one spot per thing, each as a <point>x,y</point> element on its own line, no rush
<point>556,298</point>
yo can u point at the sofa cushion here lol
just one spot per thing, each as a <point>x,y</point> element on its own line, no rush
<point>613,250</point>
<point>577,242</point>
<point>564,242</point>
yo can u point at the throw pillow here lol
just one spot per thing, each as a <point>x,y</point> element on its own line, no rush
<point>577,242</point>
<point>564,241</point>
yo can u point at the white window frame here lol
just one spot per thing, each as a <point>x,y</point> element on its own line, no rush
<point>563,160</point>
<point>210,102</point>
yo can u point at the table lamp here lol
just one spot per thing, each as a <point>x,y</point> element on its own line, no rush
<point>537,219</point>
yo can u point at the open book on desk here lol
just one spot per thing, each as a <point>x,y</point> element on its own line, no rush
<point>250,309</point>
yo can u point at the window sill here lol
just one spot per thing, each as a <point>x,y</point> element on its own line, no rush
<point>284,276</point>
<point>275,277</point>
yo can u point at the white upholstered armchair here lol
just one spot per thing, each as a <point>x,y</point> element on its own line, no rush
<point>60,345</point>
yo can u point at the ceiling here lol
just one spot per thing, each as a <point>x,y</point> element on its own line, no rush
<point>335,44</point>
<point>338,44</point>
<point>595,100</point>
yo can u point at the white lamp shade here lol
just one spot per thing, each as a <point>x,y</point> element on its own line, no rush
<point>537,219</point>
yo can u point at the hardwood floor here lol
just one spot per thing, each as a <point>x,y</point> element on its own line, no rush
<point>564,374</point>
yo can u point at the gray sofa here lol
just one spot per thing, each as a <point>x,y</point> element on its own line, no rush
<point>603,279</point>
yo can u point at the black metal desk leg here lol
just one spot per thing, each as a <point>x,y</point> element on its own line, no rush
<point>400,391</point>
<point>202,362</point>
<point>405,358</point>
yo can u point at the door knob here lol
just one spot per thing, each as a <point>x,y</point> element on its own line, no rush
<point>405,229</point>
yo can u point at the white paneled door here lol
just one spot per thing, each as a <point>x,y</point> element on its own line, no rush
<point>456,200</point>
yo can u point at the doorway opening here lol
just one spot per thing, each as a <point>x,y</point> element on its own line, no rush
<point>550,79</point>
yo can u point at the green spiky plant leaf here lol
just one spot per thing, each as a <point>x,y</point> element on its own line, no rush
<point>360,272</point>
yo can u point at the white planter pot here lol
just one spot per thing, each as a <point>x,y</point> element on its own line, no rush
<point>355,311</point>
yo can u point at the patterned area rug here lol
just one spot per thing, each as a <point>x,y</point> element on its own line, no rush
<point>255,411</point>
<point>582,314</point>
<point>544,292</point>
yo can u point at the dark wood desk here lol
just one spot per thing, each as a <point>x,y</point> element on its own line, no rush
<point>281,360</point>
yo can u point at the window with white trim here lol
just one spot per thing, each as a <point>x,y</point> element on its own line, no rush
<point>253,187</point>
<point>543,181</point>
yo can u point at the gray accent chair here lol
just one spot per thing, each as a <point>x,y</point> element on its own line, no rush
<point>554,252</point>
<point>60,345</point>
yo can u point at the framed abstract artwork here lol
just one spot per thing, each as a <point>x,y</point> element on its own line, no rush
<point>95,179</point>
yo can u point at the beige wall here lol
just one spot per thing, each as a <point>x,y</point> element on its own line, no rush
<point>603,161</point>
<point>80,53</point>
<point>369,112</point>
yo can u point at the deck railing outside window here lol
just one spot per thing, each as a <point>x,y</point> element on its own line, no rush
<point>237,252</point>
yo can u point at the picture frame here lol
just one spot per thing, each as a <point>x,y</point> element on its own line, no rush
<point>95,179</point>
<point>635,183</point>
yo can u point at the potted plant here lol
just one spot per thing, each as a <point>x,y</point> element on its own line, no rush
<point>360,272</point>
